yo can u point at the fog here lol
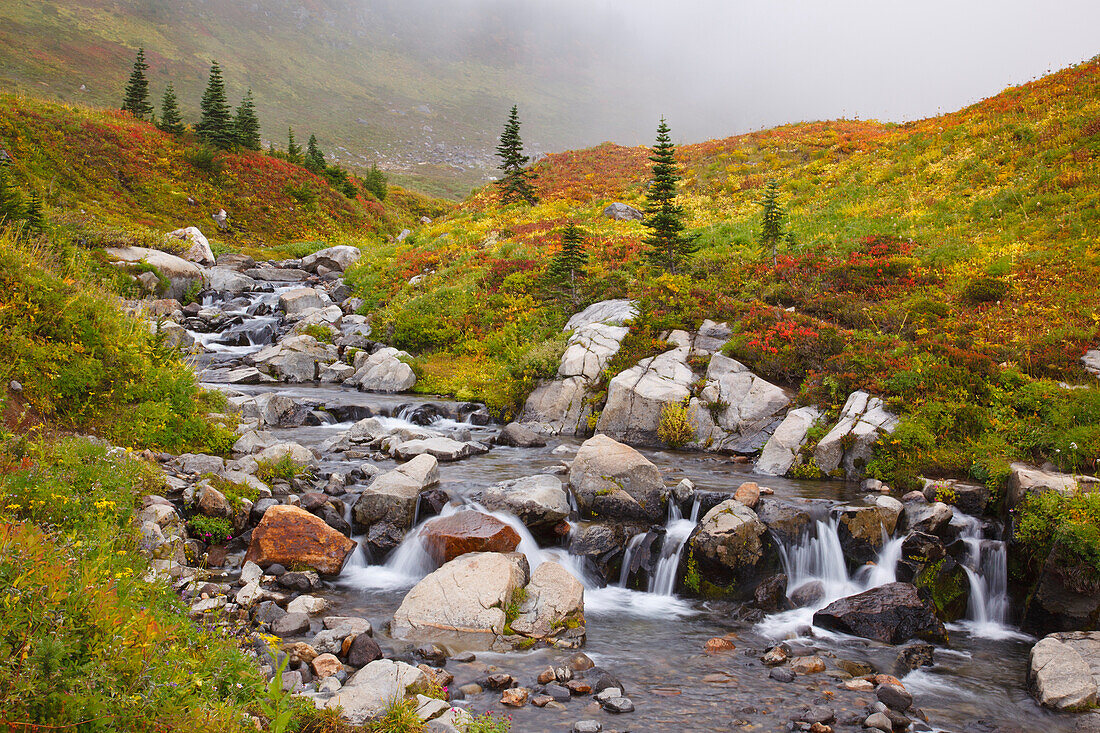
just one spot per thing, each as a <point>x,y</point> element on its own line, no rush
<point>717,67</point>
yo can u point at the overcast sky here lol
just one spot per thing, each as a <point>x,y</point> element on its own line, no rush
<point>718,67</point>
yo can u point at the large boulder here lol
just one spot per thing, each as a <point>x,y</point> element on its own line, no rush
<point>195,245</point>
<point>392,496</point>
<point>968,497</point>
<point>295,359</point>
<point>782,448</point>
<point>1060,600</point>
<point>519,436</point>
<point>338,258</point>
<point>611,312</point>
<point>558,406</point>
<point>374,688</point>
<point>553,606</point>
<point>291,536</point>
<point>539,501</point>
<point>731,536</point>
<point>613,480</point>
<point>928,518</point>
<point>786,521</point>
<point>736,410</point>
<point>464,601</point>
<point>848,446</point>
<point>862,529</point>
<point>622,212</point>
<point>383,371</point>
<point>445,538</point>
<point>444,449</point>
<point>1064,671</point>
<point>1026,479</point>
<point>638,396</point>
<point>226,280</point>
<point>590,349</point>
<point>298,300</point>
<point>182,275</point>
<point>893,613</point>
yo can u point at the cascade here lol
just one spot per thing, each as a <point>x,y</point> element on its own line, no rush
<point>986,569</point>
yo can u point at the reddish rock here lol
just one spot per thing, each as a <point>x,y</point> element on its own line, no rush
<point>293,537</point>
<point>515,697</point>
<point>326,665</point>
<point>748,494</point>
<point>718,644</point>
<point>448,537</point>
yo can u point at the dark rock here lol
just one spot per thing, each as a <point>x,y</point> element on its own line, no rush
<point>500,681</point>
<point>382,538</point>
<point>808,594</point>
<point>771,594</point>
<point>256,513</point>
<point>291,624</point>
<point>464,657</point>
<point>275,569</point>
<point>618,705</point>
<point>432,654</point>
<point>786,521</point>
<point>782,674</point>
<point>311,501</point>
<point>946,584</point>
<point>300,582</point>
<point>892,613</point>
<point>601,679</point>
<point>913,656</point>
<point>363,651</point>
<point>334,519</point>
<point>267,612</point>
<point>558,692</point>
<point>969,498</point>
<point>815,714</point>
<point>1060,602</point>
<point>894,697</point>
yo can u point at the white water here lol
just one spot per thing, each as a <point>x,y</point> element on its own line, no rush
<point>677,530</point>
<point>819,557</point>
<point>986,569</point>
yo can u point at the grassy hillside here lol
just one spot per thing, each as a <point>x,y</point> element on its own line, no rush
<point>97,169</point>
<point>952,264</point>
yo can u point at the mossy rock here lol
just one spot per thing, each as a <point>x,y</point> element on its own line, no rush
<point>945,584</point>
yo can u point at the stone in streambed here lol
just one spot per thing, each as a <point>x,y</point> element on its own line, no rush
<point>289,535</point>
<point>446,538</point>
<point>891,613</point>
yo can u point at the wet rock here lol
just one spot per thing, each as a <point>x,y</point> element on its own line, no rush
<point>748,494</point>
<point>771,594</point>
<point>519,436</point>
<point>861,529</point>
<point>558,692</point>
<point>610,479</point>
<point>807,594</point>
<point>448,537</point>
<point>580,662</point>
<point>730,535</point>
<point>945,583</point>
<point>815,714</point>
<point>444,449</point>
<point>928,518</point>
<point>787,521</point>
<point>515,697</point>
<point>1060,601</point>
<point>807,665</point>
<point>618,705</point>
<point>587,726</point>
<point>891,613</point>
<point>914,656</point>
<point>776,656</point>
<point>299,581</point>
<point>782,674</point>
<point>894,697</point>
<point>382,538</point>
<point>292,536</point>
<point>539,501</point>
<point>290,624</point>
<point>392,497</point>
<point>878,721</point>
<point>719,644</point>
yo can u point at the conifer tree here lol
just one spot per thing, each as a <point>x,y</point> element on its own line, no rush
<point>566,273</point>
<point>771,229</point>
<point>516,183</point>
<point>315,159</point>
<point>135,99</point>
<point>11,203</point>
<point>33,213</point>
<point>374,181</point>
<point>216,123</point>
<point>170,119</point>
<point>247,124</point>
<point>293,149</point>
<point>669,247</point>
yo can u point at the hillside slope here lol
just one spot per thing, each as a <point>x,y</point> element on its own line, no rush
<point>944,263</point>
<point>98,169</point>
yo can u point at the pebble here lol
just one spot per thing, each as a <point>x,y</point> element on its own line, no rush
<point>775,656</point>
<point>880,721</point>
<point>587,726</point>
<point>782,674</point>
<point>718,644</point>
<point>619,705</point>
<point>608,694</point>
<point>515,697</point>
<point>895,697</point>
<point>464,657</point>
<point>807,665</point>
<point>559,693</point>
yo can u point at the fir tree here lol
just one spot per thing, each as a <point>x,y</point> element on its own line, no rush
<point>315,159</point>
<point>669,247</point>
<point>567,272</point>
<point>33,213</point>
<point>11,203</point>
<point>374,181</point>
<point>135,99</point>
<point>247,124</point>
<point>293,149</point>
<point>216,124</point>
<point>516,183</point>
<point>170,119</point>
<point>771,229</point>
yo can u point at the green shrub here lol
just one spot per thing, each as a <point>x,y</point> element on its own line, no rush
<point>211,530</point>
<point>317,331</point>
<point>1071,524</point>
<point>205,159</point>
<point>490,723</point>
<point>676,428</point>
<point>284,469</point>
<point>984,289</point>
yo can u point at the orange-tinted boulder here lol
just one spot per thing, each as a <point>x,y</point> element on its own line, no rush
<point>448,537</point>
<point>293,537</point>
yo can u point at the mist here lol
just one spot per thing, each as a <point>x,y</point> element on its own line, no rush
<point>716,68</point>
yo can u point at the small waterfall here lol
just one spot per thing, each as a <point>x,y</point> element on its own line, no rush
<point>986,568</point>
<point>819,557</point>
<point>677,531</point>
<point>628,557</point>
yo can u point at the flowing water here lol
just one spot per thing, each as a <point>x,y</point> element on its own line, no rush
<point>653,640</point>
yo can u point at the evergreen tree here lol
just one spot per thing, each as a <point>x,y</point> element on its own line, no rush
<point>135,99</point>
<point>771,230</point>
<point>669,247</point>
<point>516,183</point>
<point>315,159</point>
<point>216,124</point>
<point>293,149</point>
<point>374,181</point>
<point>170,119</point>
<point>247,124</point>
<point>11,203</point>
<point>33,214</point>
<point>567,272</point>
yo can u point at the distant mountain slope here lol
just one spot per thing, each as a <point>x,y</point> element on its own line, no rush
<point>99,168</point>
